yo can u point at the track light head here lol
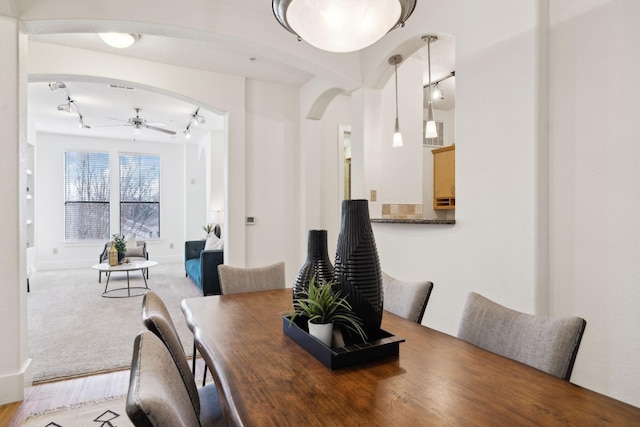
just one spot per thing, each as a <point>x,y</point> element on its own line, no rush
<point>437,93</point>
<point>56,85</point>
<point>65,107</point>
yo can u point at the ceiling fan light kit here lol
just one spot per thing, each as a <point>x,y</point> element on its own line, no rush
<point>341,25</point>
<point>119,40</point>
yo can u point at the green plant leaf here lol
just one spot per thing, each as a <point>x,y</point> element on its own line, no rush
<point>322,303</point>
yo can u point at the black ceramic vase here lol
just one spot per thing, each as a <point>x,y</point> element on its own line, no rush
<point>318,262</point>
<point>357,266</point>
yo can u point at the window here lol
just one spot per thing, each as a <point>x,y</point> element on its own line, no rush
<point>86,203</point>
<point>140,195</point>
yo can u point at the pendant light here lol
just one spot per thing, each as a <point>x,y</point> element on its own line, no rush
<point>397,136</point>
<point>430,131</point>
<point>341,25</point>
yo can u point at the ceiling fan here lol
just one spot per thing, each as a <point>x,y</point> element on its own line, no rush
<point>138,123</point>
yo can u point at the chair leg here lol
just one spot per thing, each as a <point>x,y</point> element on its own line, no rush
<point>193,367</point>
<point>204,377</point>
<point>99,276</point>
<point>28,286</point>
<point>193,363</point>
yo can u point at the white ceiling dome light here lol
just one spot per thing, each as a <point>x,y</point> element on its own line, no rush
<point>119,40</point>
<point>342,25</point>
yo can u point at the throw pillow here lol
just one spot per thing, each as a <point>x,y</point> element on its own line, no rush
<point>138,251</point>
<point>213,242</point>
<point>131,243</point>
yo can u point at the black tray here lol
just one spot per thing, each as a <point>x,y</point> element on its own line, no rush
<point>382,345</point>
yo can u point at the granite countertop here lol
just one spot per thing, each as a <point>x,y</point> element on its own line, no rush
<point>412,221</point>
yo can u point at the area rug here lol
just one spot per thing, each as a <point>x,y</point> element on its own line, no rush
<point>102,413</point>
<point>74,331</point>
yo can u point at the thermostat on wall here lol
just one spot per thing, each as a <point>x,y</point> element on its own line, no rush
<point>251,220</point>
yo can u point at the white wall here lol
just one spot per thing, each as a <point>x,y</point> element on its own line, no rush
<point>594,181</point>
<point>272,171</point>
<point>53,252</point>
<point>196,188</point>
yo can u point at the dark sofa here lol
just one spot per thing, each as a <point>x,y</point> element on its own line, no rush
<point>202,266</point>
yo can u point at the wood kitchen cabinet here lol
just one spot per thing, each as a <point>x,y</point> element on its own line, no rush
<point>444,177</point>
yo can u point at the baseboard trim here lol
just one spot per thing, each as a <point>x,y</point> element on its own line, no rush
<point>12,386</point>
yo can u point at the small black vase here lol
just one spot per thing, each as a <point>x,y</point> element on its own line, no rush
<point>357,266</point>
<point>120,257</point>
<point>318,262</point>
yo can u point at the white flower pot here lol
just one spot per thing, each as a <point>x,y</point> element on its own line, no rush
<point>321,331</point>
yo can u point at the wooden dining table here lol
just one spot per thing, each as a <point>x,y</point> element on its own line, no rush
<point>265,378</point>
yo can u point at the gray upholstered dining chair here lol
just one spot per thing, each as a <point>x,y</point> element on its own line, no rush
<point>406,299</point>
<point>549,344</point>
<point>235,280</point>
<point>157,395</point>
<point>204,400</point>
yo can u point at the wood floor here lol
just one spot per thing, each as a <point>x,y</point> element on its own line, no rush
<point>55,394</point>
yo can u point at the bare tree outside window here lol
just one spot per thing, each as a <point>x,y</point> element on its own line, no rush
<point>86,206</point>
<point>140,195</point>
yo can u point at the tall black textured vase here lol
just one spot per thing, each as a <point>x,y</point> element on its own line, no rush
<point>318,262</point>
<point>357,266</point>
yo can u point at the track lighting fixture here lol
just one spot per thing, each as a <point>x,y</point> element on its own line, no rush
<point>437,93</point>
<point>196,119</point>
<point>339,25</point>
<point>431,131</point>
<point>70,106</point>
<point>397,136</point>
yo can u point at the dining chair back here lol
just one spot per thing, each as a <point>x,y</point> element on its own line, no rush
<point>156,318</point>
<point>157,396</point>
<point>406,299</point>
<point>547,343</point>
<point>235,280</point>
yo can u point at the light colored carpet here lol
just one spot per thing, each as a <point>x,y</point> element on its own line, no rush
<point>74,331</point>
<point>106,412</point>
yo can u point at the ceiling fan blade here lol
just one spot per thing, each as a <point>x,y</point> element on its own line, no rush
<point>170,132</point>
<point>109,126</point>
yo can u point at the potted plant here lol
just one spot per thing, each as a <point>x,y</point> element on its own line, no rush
<point>208,228</point>
<point>120,243</point>
<point>324,307</point>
